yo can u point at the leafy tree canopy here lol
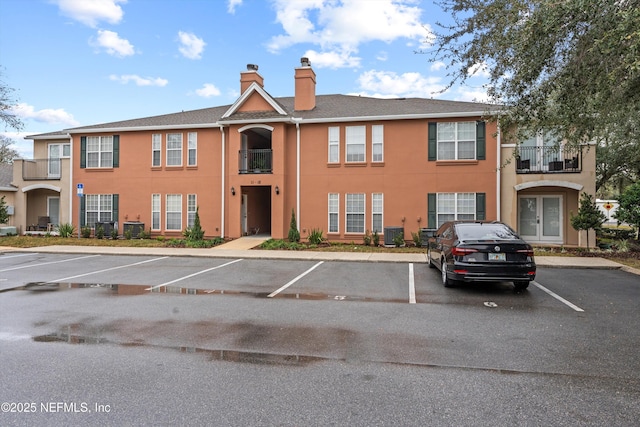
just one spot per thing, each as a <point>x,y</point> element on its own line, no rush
<point>7,102</point>
<point>572,65</point>
<point>7,153</point>
<point>629,208</point>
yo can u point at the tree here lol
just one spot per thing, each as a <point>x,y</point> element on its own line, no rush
<point>570,65</point>
<point>4,213</point>
<point>195,232</point>
<point>629,207</point>
<point>7,154</point>
<point>589,216</point>
<point>294,234</point>
<point>6,107</point>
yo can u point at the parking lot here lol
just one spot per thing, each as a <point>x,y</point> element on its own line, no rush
<point>314,342</point>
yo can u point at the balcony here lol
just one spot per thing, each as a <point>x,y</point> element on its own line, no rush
<point>549,159</point>
<point>255,161</point>
<point>41,169</point>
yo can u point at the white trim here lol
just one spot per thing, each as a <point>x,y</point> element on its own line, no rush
<point>498,173</point>
<point>41,187</point>
<point>298,166</point>
<point>253,87</point>
<point>256,125</point>
<point>394,117</point>
<point>185,126</point>
<point>223,184</point>
<point>533,184</point>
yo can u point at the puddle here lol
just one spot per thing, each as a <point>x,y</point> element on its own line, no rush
<point>130,290</point>
<point>212,355</point>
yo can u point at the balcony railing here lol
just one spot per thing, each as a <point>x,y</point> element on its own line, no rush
<point>40,169</point>
<point>255,161</point>
<point>549,159</point>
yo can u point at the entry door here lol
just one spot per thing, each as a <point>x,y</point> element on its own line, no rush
<point>53,210</point>
<point>540,218</point>
<point>243,213</point>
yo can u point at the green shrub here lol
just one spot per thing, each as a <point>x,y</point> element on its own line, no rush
<point>100,232</point>
<point>398,239</point>
<point>376,239</point>
<point>416,239</point>
<point>66,230</point>
<point>144,234</point>
<point>294,234</point>
<point>316,236</point>
<point>114,233</point>
<point>128,234</point>
<point>86,232</point>
<point>281,244</point>
<point>195,232</point>
<point>366,239</point>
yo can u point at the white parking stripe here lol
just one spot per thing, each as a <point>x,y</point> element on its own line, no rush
<point>5,256</point>
<point>46,263</point>
<point>412,286</point>
<point>107,269</point>
<point>194,274</point>
<point>274,293</point>
<point>558,297</point>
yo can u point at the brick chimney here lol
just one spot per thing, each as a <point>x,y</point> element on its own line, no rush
<point>305,93</point>
<point>250,76</point>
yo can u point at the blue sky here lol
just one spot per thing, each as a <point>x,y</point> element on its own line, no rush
<point>82,62</point>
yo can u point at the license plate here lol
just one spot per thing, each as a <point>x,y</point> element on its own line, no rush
<point>497,257</point>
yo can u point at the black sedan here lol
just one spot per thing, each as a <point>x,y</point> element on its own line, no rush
<point>481,251</point>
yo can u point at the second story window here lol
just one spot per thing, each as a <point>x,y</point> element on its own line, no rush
<point>355,144</point>
<point>99,151</point>
<point>174,149</point>
<point>377,143</point>
<point>457,141</point>
<point>192,148</point>
<point>156,149</point>
<point>334,144</point>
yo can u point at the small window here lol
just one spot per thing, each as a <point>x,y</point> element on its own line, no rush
<point>174,149</point>
<point>155,212</point>
<point>334,144</point>
<point>191,209</point>
<point>156,149</point>
<point>334,206</point>
<point>66,150</point>
<point>192,149</point>
<point>377,143</point>
<point>377,207</point>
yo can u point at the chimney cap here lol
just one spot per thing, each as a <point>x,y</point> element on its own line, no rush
<point>304,61</point>
<point>252,67</point>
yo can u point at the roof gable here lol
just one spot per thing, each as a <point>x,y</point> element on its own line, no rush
<point>249,98</point>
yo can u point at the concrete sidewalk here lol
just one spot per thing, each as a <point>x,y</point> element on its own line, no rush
<point>243,248</point>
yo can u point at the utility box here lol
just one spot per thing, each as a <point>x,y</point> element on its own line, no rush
<point>107,227</point>
<point>135,227</point>
<point>390,233</point>
<point>425,234</point>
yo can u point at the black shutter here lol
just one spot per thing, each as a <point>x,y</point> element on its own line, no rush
<point>83,152</point>
<point>83,210</point>
<point>431,211</point>
<point>115,198</point>
<point>433,141</point>
<point>481,140</point>
<point>481,211</point>
<point>116,151</point>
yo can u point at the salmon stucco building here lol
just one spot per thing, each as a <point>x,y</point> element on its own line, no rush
<point>346,165</point>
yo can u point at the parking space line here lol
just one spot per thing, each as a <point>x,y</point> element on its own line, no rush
<point>107,269</point>
<point>46,263</point>
<point>558,297</point>
<point>5,256</point>
<point>291,282</point>
<point>193,274</point>
<point>412,286</point>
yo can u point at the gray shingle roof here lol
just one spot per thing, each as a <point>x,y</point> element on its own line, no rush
<point>6,175</point>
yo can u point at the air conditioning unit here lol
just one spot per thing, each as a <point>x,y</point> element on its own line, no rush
<point>10,210</point>
<point>135,227</point>
<point>390,233</point>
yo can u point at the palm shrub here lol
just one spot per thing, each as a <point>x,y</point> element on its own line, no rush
<point>66,230</point>
<point>316,236</point>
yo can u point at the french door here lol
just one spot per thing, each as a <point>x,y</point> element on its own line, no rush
<point>540,218</point>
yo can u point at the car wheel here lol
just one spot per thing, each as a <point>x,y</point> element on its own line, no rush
<point>431,264</point>
<point>521,285</point>
<point>445,280</point>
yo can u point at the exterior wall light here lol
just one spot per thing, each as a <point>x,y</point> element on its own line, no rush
<point>233,191</point>
<point>277,190</point>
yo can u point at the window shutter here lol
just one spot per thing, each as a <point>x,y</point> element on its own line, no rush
<point>433,141</point>
<point>83,210</point>
<point>481,212</point>
<point>115,198</point>
<point>481,140</point>
<point>83,152</point>
<point>116,151</point>
<point>431,210</point>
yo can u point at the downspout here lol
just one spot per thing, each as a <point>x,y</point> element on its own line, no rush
<point>223,183</point>
<point>298,172</point>
<point>499,171</point>
<point>71,198</point>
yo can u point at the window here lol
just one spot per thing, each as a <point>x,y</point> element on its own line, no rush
<point>355,213</point>
<point>66,150</point>
<point>377,143</point>
<point>174,212</point>
<point>98,208</point>
<point>455,206</point>
<point>334,206</point>
<point>174,149</point>
<point>334,145</point>
<point>156,149</point>
<point>457,141</point>
<point>192,148</point>
<point>191,209</point>
<point>155,212</point>
<point>377,207</point>
<point>356,143</point>
<point>99,151</point>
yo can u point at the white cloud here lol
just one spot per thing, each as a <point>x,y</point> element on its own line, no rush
<point>340,27</point>
<point>382,56</point>
<point>390,84</point>
<point>337,59</point>
<point>191,45</point>
<point>232,4</point>
<point>139,81</point>
<point>470,95</point>
<point>113,44</point>
<point>437,66</point>
<point>90,12</point>
<point>48,115</point>
<point>22,146</point>
<point>479,70</point>
<point>208,90</point>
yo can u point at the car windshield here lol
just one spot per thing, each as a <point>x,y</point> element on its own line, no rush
<point>485,232</point>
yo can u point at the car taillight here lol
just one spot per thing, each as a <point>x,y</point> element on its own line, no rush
<point>527,252</point>
<point>462,251</point>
